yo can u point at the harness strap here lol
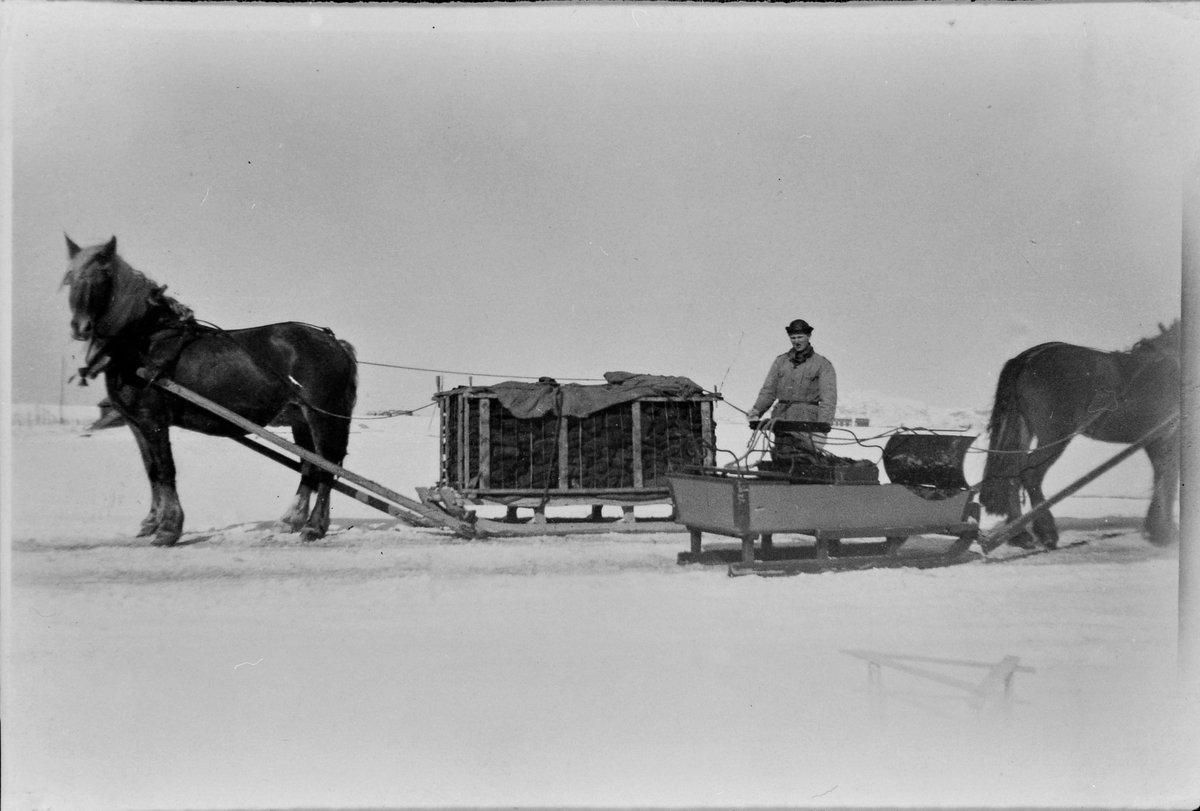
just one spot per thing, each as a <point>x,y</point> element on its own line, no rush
<point>166,345</point>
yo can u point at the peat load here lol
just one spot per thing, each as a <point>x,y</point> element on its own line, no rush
<point>520,443</point>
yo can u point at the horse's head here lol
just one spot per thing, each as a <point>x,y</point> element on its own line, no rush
<point>1170,339</point>
<point>107,296</point>
<point>89,279</point>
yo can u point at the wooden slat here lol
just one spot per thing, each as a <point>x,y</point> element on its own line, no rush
<point>706,431</point>
<point>485,443</point>
<point>464,441</point>
<point>638,473</point>
<point>564,462</point>
<point>443,444</point>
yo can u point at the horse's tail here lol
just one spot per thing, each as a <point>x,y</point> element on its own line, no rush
<point>1008,435</point>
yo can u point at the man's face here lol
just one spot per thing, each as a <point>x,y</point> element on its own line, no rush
<point>799,341</point>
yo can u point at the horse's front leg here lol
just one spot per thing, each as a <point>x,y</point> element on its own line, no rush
<point>166,513</point>
<point>153,518</point>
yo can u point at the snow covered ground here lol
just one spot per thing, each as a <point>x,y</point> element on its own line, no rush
<point>388,666</point>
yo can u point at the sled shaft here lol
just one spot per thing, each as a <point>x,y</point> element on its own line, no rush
<point>431,513</point>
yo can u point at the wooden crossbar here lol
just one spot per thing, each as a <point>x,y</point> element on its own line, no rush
<point>936,661</point>
<point>1000,674</point>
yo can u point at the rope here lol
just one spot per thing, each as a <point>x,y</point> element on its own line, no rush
<point>475,374</point>
<point>393,412</point>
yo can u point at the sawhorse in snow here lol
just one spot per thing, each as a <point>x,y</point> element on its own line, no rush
<point>996,683</point>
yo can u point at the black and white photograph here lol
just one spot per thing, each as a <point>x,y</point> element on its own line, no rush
<point>599,405</point>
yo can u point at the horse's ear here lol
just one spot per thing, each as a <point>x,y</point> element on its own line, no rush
<point>72,249</point>
<point>108,251</point>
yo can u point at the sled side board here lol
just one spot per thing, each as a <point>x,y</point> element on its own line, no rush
<point>741,506</point>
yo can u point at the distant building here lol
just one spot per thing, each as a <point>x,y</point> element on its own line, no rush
<point>847,422</point>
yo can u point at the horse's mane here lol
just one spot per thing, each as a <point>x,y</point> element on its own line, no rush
<point>159,298</point>
<point>135,296</point>
<point>130,304</point>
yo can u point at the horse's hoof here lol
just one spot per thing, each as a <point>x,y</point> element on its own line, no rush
<point>308,535</point>
<point>1162,539</point>
<point>148,528</point>
<point>166,539</point>
<point>285,526</point>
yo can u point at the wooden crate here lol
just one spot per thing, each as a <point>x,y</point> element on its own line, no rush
<point>619,455</point>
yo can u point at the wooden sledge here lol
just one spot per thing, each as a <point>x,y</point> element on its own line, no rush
<point>752,507</point>
<point>434,510</point>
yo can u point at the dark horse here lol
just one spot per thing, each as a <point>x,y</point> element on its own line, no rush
<point>1056,391</point>
<point>284,374</point>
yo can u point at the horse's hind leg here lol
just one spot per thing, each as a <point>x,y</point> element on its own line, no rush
<point>1039,461</point>
<point>1160,526</point>
<point>330,435</point>
<point>1023,539</point>
<point>297,512</point>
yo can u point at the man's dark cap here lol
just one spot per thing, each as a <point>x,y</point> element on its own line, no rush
<point>799,326</point>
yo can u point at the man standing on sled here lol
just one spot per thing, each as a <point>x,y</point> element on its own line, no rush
<point>804,386</point>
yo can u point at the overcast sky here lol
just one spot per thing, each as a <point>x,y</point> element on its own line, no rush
<point>568,190</point>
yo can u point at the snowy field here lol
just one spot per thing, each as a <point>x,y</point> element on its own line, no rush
<point>388,666</point>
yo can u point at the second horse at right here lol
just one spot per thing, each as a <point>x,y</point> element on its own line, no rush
<point>1053,392</point>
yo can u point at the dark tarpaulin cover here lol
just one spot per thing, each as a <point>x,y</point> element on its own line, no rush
<point>533,400</point>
